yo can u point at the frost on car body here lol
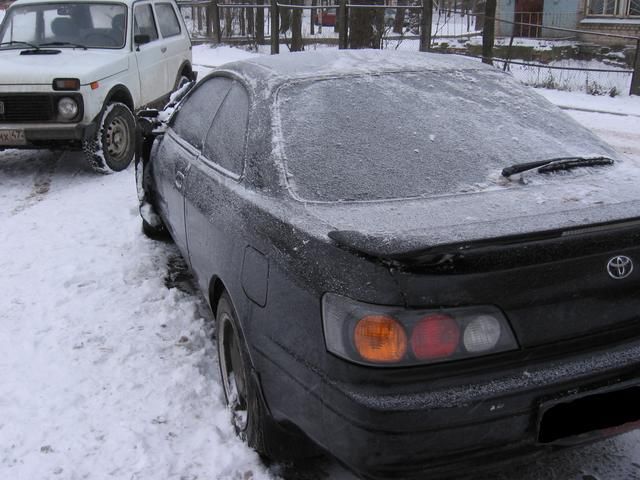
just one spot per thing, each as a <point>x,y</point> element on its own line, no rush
<point>380,284</point>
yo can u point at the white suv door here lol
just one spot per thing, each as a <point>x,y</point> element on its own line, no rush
<point>150,56</point>
<point>175,39</point>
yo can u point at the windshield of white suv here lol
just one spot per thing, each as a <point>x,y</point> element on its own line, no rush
<point>65,25</point>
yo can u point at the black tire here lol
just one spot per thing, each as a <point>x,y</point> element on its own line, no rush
<point>114,146</point>
<point>155,233</point>
<point>182,81</point>
<point>250,417</point>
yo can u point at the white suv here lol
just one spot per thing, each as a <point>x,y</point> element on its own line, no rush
<point>73,72</point>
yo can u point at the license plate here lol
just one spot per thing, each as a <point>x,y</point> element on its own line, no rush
<point>590,415</point>
<point>12,137</point>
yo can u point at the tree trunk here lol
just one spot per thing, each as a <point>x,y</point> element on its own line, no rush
<point>488,32</point>
<point>228,21</point>
<point>313,16</point>
<point>260,23</point>
<point>366,25</point>
<point>297,44</point>
<point>398,22</point>
<point>285,20</point>
<point>250,23</point>
<point>478,8</point>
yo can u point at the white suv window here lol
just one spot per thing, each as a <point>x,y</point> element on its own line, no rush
<point>167,20</point>
<point>94,25</point>
<point>144,23</point>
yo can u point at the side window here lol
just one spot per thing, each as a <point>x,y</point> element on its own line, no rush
<point>167,19</point>
<point>143,22</point>
<point>225,141</point>
<point>194,117</point>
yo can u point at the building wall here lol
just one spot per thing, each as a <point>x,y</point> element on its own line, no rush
<point>556,13</point>
<point>505,9</point>
<point>626,27</point>
<point>562,14</point>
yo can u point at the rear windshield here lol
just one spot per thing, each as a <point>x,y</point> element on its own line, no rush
<point>60,25</point>
<point>415,134</point>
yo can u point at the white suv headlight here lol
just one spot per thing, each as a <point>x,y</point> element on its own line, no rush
<point>67,108</point>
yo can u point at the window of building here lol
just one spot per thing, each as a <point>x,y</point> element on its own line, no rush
<point>614,8</point>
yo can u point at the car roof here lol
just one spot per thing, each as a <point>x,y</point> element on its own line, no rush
<point>277,69</point>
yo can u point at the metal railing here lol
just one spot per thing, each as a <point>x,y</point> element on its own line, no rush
<point>260,23</point>
<point>447,23</point>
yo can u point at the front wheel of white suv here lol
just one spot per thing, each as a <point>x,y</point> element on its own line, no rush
<point>114,146</point>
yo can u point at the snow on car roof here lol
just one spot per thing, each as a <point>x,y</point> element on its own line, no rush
<point>280,68</point>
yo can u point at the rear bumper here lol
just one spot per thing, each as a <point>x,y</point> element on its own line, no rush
<point>48,135</point>
<point>449,427</point>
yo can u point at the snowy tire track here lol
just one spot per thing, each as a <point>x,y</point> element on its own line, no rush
<point>106,373</point>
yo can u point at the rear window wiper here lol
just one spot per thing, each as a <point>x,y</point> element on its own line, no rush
<point>18,42</point>
<point>556,164</point>
<point>63,44</point>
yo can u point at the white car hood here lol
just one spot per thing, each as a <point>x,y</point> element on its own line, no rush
<point>87,65</point>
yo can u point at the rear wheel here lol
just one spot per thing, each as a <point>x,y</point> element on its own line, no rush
<point>250,416</point>
<point>114,146</point>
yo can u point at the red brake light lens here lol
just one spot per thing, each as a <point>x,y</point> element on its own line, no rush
<point>435,336</point>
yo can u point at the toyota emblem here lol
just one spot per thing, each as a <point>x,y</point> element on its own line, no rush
<point>620,267</point>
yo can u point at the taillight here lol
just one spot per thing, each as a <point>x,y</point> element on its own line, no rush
<point>396,336</point>
<point>380,339</point>
<point>435,336</point>
<point>482,334</point>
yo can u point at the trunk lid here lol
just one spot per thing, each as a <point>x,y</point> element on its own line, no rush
<point>543,253</point>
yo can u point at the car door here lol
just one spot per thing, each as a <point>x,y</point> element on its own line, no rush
<point>176,45</point>
<point>149,56</point>
<point>181,148</point>
<point>212,200</point>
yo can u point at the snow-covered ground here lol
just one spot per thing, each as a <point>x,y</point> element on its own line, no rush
<point>107,370</point>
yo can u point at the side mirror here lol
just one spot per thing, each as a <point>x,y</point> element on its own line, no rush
<point>141,39</point>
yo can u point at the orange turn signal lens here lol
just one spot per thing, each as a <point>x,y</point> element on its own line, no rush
<point>380,338</point>
<point>66,84</point>
<point>94,85</point>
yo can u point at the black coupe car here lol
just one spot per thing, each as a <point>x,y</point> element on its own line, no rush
<point>415,263</point>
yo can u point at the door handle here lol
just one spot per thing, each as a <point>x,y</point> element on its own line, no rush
<point>163,49</point>
<point>179,181</point>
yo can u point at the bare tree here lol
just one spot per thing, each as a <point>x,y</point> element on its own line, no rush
<point>260,23</point>
<point>250,21</point>
<point>314,12</point>
<point>228,21</point>
<point>297,45</point>
<point>285,19</point>
<point>488,32</point>
<point>366,25</point>
<point>398,22</point>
